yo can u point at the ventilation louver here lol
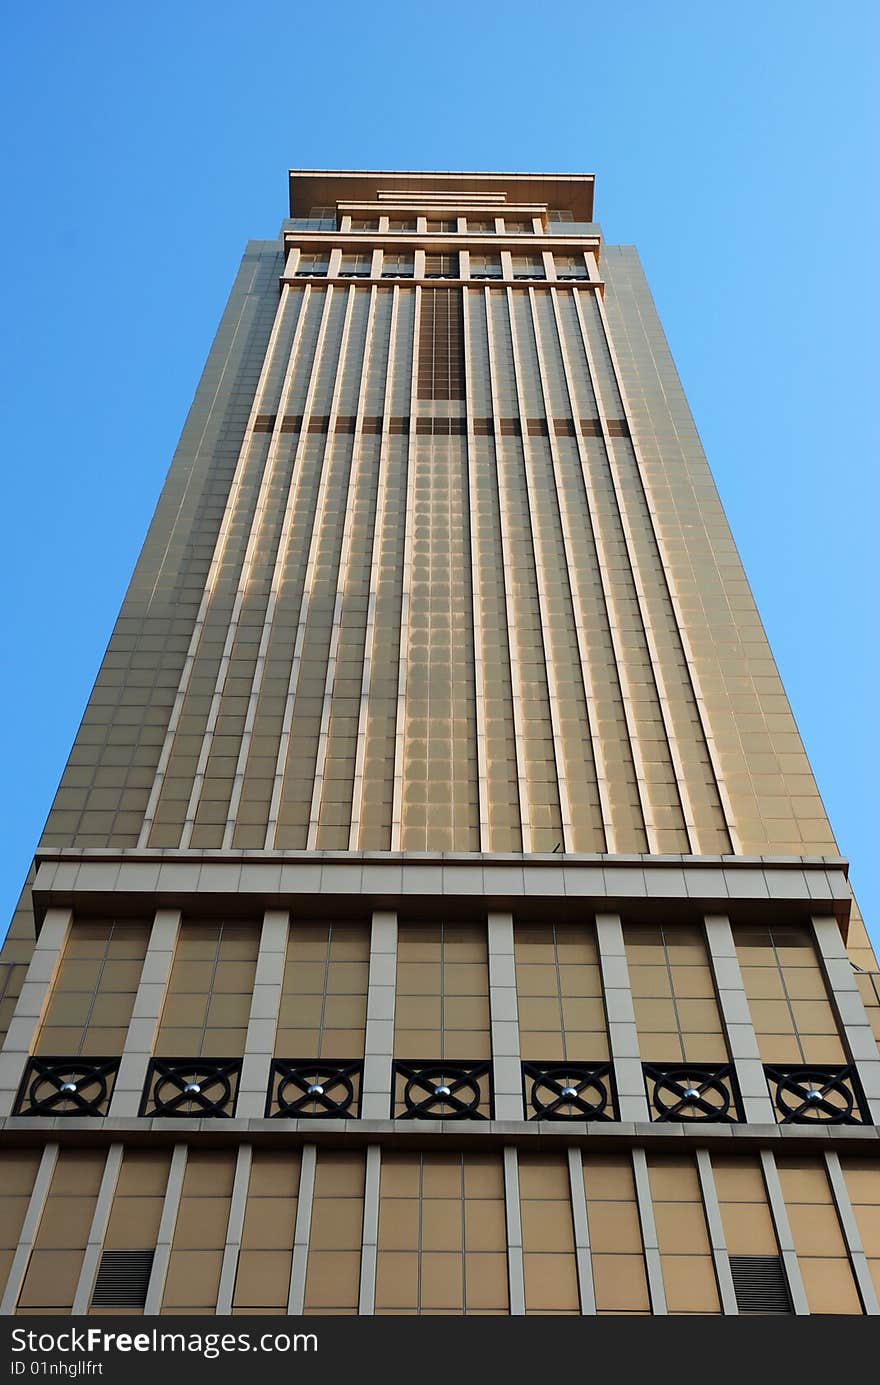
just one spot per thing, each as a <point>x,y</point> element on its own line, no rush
<point>123,1278</point>
<point>759,1284</point>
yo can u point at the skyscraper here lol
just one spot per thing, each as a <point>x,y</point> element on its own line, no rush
<point>438,913</point>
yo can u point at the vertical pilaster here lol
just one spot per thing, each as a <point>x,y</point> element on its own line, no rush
<point>234,1226</point>
<point>784,1237</point>
<point>858,1259</point>
<point>622,1034</point>
<point>847,1001</point>
<point>31,1004</point>
<point>649,1234</point>
<point>741,1040</point>
<point>717,1241</point>
<point>370,1240</point>
<point>170,1208</point>
<point>503,1015</point>
<point>262,1022</point>
<point>29,1228</point>
<point>97,1230</point>
<point>379,1038</point>
<point>147,1012</point>
<point>515,1276</point>
<point>299,1262</point>
<point>586,1289</point>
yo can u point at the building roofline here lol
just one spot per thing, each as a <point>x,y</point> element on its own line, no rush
<point>300,176</point>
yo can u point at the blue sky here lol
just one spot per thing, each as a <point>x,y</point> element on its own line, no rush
<point>735,146</point>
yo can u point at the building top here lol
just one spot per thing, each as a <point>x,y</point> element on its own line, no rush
<point>571,192</point>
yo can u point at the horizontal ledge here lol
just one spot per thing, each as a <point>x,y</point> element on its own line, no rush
<point>141,880</point>
<point>406,1134</point>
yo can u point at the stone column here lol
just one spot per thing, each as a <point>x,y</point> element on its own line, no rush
<point>379,1039</point>
<point>147,1012</point>
<point>31,1005</point>
<point>741,1040</point>
<point>506,1069</point>
<point>847,1001</point>
<point>170,1208</point>
<point>253,1086</point>
<point>622,1034</point>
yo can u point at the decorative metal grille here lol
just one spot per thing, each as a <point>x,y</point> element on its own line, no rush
<point>569,1091</point>
<point>442,1091</point>
<point>803,1094</point>
<point>691,1092</point>
<point>66,1087</point>
<point>195,1087</point>
<point>309,1087</point>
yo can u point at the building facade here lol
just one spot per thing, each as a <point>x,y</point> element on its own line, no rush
<point>438,913</point>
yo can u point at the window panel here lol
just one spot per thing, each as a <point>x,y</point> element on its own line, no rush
<point>442,1240</point>
<point>209,989</point>
<point>788,999</point>
<point>94,992</point>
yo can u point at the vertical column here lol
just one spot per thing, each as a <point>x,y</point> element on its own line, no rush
<point>649,1233</point>
<point>31,1005</point>
<point>29,1229</point>
<point>515,1275</point>
<point>784,1237</point>
<point>622,1034</point>
<point>726,1290</point>
<point>504,1019</point>
<point>586,1288</point>
<point>741,1040</point>
<point>263,1018</point>
<point>847,1001</point>
<point>379,1038</point>
<point>237,1207</point>
<point>370,1240</point>
<point>299,1262</point>
<point>858,1259</point>
<point>170,1207</point>
<point>97,1231</point>
<point>146,1014</point>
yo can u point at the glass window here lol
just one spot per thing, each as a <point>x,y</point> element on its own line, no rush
<point>441,224</point>
<point>485,266</point>
<point>311,264</point>
<point>365,223</point>
<point>402,223</point>
<point>321,219</point>
<point>441,266</point>
<point>570,267</point>
<point>481,228</point>
<point>356,266</point>
<point>398,266</point>
<point>518,228</point>
<point>528,267</point>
